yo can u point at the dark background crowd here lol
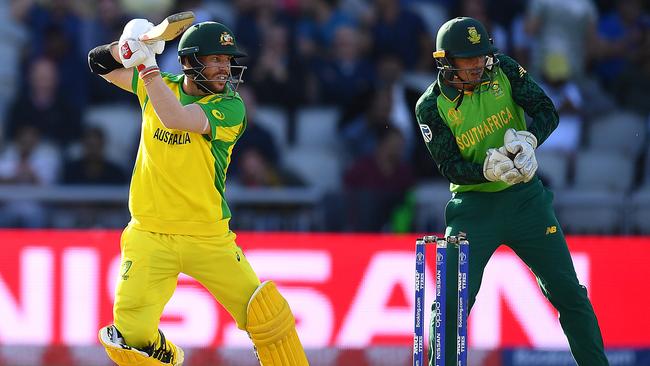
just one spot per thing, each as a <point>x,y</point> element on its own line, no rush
<point>330,92</point>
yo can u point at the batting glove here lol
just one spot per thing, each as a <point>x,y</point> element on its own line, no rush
<point>135,53</point>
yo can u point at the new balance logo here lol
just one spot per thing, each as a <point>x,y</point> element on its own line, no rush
<point>551,230</point>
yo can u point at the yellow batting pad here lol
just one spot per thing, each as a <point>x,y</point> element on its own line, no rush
<point>272,328</point>
<point>124,355</point>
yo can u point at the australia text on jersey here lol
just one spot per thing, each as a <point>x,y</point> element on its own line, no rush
<point>172,138</point>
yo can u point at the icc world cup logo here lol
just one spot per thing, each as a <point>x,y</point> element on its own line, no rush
<point>462,258</point>
<point>455,116</point>
<point>419,258</point>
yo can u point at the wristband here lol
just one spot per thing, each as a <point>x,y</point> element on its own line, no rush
<point>147,71</point>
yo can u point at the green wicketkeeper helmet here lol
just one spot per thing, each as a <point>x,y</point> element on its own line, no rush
<point>209,38</point>
<point>462,37</point>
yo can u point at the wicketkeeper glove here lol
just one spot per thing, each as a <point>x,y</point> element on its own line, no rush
<point>522,144</point>
<point>497,166</point>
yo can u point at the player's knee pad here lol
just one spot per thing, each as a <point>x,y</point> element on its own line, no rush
<point>272,327</point>
<point>167,354</point>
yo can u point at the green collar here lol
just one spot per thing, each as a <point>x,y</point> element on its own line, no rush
<point>447,91</point>
<point>452,93</point>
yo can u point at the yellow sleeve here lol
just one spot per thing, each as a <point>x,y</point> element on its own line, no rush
<point>137,87</point>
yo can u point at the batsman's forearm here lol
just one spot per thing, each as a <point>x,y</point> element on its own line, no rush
<point>170,111</point>
<point>163,100</point>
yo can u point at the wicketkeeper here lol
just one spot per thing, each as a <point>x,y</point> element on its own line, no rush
<point>472,120</point>
<point>190,124</point>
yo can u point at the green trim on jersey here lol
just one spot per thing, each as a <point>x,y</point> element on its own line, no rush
<point>134,81</point>
<point>221,152</point>
<point>459,135</point>
<point>227,118</point>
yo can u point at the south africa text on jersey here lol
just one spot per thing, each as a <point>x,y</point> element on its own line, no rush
<point>488,126</point>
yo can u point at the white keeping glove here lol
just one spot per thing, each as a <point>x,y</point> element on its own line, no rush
<point>134,52</point>
<point>498,166</point>
<point>522,144</point>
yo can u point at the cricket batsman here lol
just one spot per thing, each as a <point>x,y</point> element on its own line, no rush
<point>472,120</point>
<point>179,217</point>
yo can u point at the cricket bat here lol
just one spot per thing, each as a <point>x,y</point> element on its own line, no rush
<point>169,28</point>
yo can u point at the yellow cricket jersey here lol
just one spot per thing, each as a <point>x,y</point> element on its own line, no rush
<point>179,177</point>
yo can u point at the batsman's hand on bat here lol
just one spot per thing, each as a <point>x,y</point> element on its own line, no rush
<point>522,144</point>
<point>497,166</point>
<point>135,53</point>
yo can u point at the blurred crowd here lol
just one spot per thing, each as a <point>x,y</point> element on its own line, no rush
<point>330,91</point>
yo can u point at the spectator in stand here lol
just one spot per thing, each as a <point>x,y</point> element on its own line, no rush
<point>346,74</point>
<point>56,33</point>
<point>563,26</point>
<point>398,31</point>
<point>522,43</point>
<point>255,137</point>
<point>360,135</point>
<point>383,170</point>
<point>255,170</point>
<point>377,183</point>
<point>14,38</point>
<point>254,20</point>
<point>256,162</point>
<point>622,30</point>
<point>93,167</point>
<point>631,87</point>
<point>44,15</point>
<point>27,161</point>
<point>276,70</point>
<point>103,28</point>
<point>390,71</point>
<point>317,25</point>
<point>567,97</point>
<point>45,107</point>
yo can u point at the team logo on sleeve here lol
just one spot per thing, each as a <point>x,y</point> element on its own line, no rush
<point>426,132</point>
<point>473,37</point>
<point>218,115</point>
<point>522,71</point>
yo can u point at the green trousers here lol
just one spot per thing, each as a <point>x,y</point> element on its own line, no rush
<point>522,218</point>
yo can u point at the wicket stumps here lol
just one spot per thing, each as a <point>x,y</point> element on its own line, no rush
<point>440,316</point>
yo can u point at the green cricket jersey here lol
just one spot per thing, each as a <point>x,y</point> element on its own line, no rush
<point>459,128</point>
